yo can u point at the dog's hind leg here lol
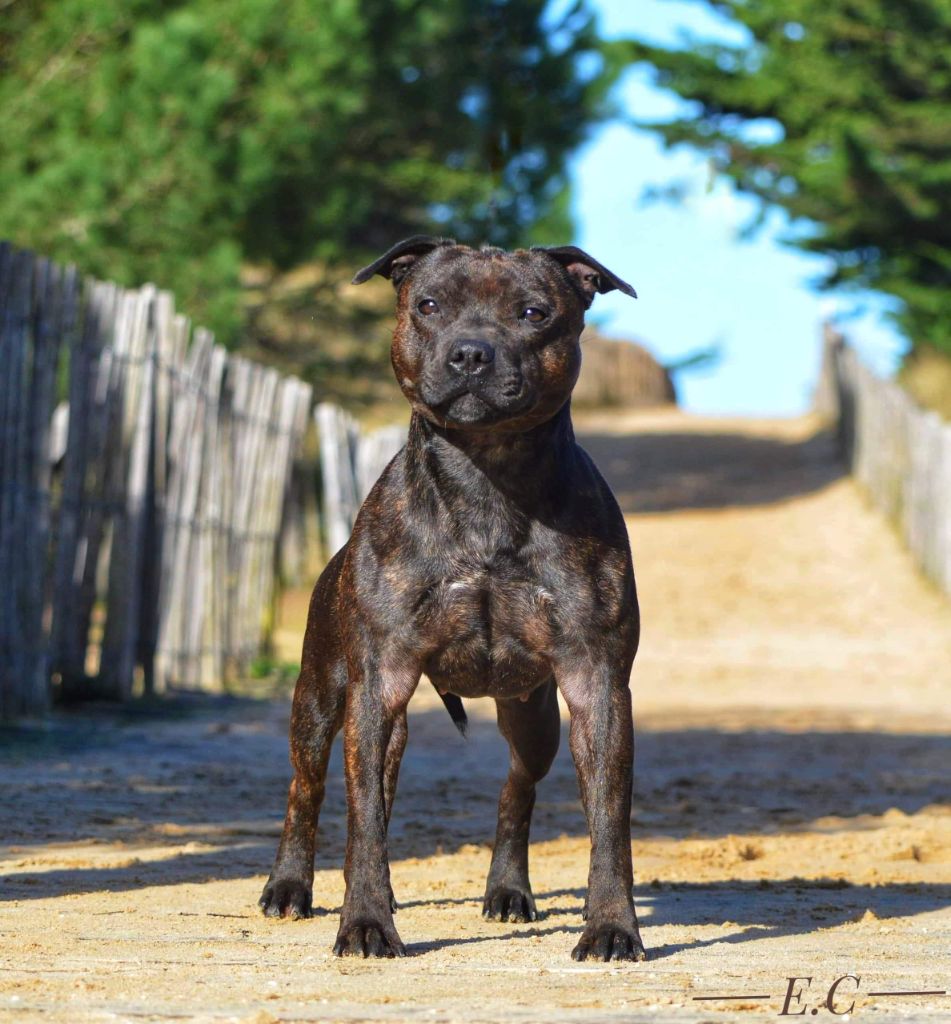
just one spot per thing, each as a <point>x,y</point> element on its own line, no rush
<point>532,728</point>
<point>391,771</point>
<point>391,766</point>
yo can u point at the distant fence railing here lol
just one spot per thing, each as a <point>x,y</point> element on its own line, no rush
<point>351,461</point>
<point>143,472</point>
<point>899,453</point>
<point>620,373</point>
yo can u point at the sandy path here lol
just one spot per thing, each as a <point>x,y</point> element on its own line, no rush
<point>791,810</point>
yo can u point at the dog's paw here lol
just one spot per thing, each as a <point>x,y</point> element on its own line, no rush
<point>368,938</point>
<point>286,898</point>
<point>609,942</point>
<point>505,903</point>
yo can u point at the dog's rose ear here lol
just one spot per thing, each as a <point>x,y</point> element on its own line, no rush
<point>589,276</point>
<point>395,262</point>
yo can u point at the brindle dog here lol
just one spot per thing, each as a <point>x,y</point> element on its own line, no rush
<point>492,557</point>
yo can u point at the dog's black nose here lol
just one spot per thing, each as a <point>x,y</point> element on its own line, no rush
<point>471,356</point>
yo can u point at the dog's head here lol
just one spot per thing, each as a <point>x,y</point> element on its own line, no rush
<point>487,338</point>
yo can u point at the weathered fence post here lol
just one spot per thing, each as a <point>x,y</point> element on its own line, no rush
<point>899,454</point>
<point>350,464</point>
<point>336,429</point>
<point>121,635</point>
<point>152,541</point>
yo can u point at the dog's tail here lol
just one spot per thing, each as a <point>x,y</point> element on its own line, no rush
<point>456,711</point>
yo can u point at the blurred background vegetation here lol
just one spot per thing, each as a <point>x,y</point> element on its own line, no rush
<point>249,154</point>
<point>839,113</point>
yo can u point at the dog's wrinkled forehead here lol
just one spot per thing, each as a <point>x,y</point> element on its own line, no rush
<point>487,275</point>
<point>539,266</point>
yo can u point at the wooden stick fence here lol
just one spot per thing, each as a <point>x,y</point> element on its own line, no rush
<point>899,453</point>
<point>351,462</point>
<point>150,546</point>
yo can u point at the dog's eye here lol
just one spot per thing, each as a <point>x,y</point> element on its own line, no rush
<point>428,306</point>
<point>534,315</point>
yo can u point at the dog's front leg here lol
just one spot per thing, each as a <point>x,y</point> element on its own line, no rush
<point>602,745</point>
<point>377,696</point>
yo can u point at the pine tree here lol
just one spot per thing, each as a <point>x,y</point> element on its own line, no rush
<point>860,91</point>
<point>172,141</point>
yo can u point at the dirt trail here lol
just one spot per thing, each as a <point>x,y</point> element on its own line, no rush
<point>791,809</point>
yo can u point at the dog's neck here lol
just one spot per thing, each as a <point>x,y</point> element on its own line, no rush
<point>526,470</point>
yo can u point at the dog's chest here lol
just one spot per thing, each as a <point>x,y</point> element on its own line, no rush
<point>489,630</point>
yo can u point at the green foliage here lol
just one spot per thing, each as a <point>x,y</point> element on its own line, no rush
<point>861,90</point>
<point>173,141</point>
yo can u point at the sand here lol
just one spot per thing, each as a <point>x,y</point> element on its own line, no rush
<point>791,797</point>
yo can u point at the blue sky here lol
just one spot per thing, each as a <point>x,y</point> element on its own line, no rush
<point>698,283</point>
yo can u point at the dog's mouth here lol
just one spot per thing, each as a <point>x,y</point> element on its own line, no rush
<point>478,404</point>
<point>467,409</point>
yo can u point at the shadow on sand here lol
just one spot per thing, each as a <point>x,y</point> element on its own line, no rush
<point>664,472</point>
<point>214,774</point>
